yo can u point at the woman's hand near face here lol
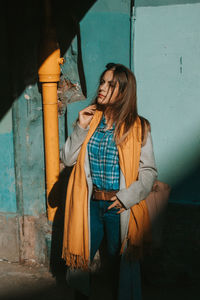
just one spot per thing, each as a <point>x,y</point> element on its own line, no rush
<point>85,115</point>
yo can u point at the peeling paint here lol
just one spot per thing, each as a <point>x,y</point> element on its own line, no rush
<point>68,92</point>
<point>27,97</point>
<point>27,138</point>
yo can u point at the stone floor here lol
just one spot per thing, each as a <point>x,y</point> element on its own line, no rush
<point>36,283</point>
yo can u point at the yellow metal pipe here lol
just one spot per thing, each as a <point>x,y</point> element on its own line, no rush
<point>49,75</point>
<point>51,137</point>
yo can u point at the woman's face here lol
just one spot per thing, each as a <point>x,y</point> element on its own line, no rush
<point>107,92</point>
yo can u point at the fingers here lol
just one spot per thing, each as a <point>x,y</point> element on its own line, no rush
<point>116,204</point>
<point>121,210</point>
<point>113,198</point>
<point>112,205</point>
<point>88,112</point>
<point>90,109</point>
<point>86,115</point>
<point>62,166</point>
<point>93,106</point>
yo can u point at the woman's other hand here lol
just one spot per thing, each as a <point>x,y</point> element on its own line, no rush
<point>85,115</point>
<point>117,204</point>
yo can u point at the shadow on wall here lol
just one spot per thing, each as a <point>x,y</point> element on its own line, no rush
<point>175,262</point>
<point>57,198</point>
<point>21,25</point>
<point>187,191</point>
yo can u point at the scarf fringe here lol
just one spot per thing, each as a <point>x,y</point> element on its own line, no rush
<point>75,261</point>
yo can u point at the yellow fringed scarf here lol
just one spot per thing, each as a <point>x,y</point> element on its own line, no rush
<point>76,232</point>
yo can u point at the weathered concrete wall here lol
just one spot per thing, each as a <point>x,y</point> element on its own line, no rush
<point>9,237</point>
<point>34,229</point>
<point>29,152</point>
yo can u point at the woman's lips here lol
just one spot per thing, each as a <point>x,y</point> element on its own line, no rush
<point>100,95</point>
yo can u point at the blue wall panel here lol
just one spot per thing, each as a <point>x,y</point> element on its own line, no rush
<point>167,64</point>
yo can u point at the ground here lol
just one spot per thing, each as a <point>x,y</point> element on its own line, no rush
<point>36,282</point>
<point>29,282</point>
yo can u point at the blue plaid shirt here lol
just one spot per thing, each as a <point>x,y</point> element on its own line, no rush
<point>104,158</point>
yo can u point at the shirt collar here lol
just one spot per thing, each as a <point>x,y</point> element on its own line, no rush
<point>103,124</point>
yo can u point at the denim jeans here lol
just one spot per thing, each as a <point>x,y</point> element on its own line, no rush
<point>104,223</point>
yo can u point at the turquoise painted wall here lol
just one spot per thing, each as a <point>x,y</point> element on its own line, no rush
<point>163,2</point>
<point>7,173</point>
<point>105,37</point>
<point>167,64</point>
<point>29,151</point>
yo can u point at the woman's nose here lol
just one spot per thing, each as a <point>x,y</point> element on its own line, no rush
<point>103,87</point>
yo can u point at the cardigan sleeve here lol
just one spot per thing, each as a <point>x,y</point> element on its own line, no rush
<point>140,188</point>
<point>69,152</point>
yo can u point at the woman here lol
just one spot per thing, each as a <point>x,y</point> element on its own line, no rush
<point>111,148</point>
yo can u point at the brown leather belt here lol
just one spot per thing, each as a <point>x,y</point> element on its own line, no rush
<point>102,194</point>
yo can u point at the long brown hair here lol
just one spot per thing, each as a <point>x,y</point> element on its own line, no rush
<point>124,108</point>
